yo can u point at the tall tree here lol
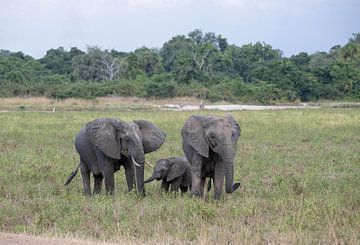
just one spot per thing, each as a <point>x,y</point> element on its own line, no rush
<point>222,43</point>
<point>89,66</point>
<point>176,48</point>
<point>143,61</point>
<point>59,61</point>
<point>196,36</point>
<point>355,38</point>
<point>246,57</point>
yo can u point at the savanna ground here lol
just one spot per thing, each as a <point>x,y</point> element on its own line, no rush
<point>299,169</point>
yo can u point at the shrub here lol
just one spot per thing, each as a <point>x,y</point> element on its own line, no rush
<point>160,87</point>
<point>194,88</point>
<point>265,93</point>
<point>222,92</point>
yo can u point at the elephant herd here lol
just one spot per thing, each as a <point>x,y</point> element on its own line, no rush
<point>209,144</point>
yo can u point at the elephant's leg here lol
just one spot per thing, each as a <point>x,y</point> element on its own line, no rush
<point>202,186</point>
<point>85,173</point>
<point>196,176</point>
<point>109,183</point>
<point>107,170</point>
<point>97,183</point>
<point>165,185</point>
<point>218,180</point>
<point>175,184</point>
<point>183,189</point>
<point>129,173</point>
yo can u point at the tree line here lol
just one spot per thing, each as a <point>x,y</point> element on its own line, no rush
<point>199,64</point>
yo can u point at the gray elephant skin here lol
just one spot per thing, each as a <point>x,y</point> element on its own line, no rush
<point>105,144</point>
<point>175,172</point>
<point>209,144</point>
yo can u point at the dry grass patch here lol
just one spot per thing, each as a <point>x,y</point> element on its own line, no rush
<point>109,103</point>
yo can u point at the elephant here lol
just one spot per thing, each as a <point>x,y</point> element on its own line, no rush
<point>174,172</point>
<point>209,144</point>
<point>106,144</point>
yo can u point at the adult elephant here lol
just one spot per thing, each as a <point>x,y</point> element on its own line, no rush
<point>105,144</point>
<point>175,172</point>
<point>209,144</point>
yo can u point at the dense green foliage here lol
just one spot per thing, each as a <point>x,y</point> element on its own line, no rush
<point>299,171</point>
<point>199,64</point>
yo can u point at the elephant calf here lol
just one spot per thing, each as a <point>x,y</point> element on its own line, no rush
<point>174,172</point>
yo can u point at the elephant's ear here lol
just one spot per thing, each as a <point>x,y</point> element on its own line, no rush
<point>153,137</point>
<point>176,170</point>
<point>236,130</point>
<point>193,133</point>
<point>102,133</point>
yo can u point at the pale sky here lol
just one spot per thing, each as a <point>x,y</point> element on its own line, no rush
<point>34,26</point>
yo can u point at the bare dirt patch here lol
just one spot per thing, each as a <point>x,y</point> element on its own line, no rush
<point>42,104</point>
<point>236,107</point>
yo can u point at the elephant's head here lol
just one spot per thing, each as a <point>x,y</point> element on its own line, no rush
<point>168,169</point>
<point>160,171</point>
<point>116,139</point>
<point>219,135</point>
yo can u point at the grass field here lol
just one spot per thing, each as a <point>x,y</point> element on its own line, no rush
<point>299,169</point>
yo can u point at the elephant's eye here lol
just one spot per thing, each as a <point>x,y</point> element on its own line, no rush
<point>212,136</point>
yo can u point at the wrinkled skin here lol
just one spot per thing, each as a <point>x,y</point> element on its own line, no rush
<point>175,172</point>
<point>209,144</point>
<point>106,144</point>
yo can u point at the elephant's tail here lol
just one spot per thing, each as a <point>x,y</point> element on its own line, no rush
<point>71,176</point>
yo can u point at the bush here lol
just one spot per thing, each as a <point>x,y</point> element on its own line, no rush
<point>9,89</point>
<point>193,89</point>
<point>56,79</point>
<point>266,93</point>
<point>120,88</point>
<point>78,90</point>
<point>160,87</point>
<point>222,92</point>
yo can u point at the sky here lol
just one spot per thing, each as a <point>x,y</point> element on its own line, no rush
<point>293,26</point>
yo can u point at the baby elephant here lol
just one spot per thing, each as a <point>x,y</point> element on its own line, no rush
<point>174,172</point>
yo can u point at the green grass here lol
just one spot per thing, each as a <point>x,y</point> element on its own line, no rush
<point>299,169</point>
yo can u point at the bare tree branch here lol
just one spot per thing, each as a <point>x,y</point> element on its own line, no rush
<point>200,61</point>
<point>110,67</point>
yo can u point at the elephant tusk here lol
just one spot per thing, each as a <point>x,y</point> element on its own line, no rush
<point>149,164</point>
<point>135,163</point>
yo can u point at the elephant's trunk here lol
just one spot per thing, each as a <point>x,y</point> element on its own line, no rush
<point>148,180</point>
<point>229,177</point>
<point>139,162</point>
<point>228,161</point>
<point>156,175</point>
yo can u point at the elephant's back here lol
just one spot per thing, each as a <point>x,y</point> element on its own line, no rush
<point>184,161</point>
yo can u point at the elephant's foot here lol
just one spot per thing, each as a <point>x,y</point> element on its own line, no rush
<point>87,193</point>
<point>196,193</point>
<point>217,196</point>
